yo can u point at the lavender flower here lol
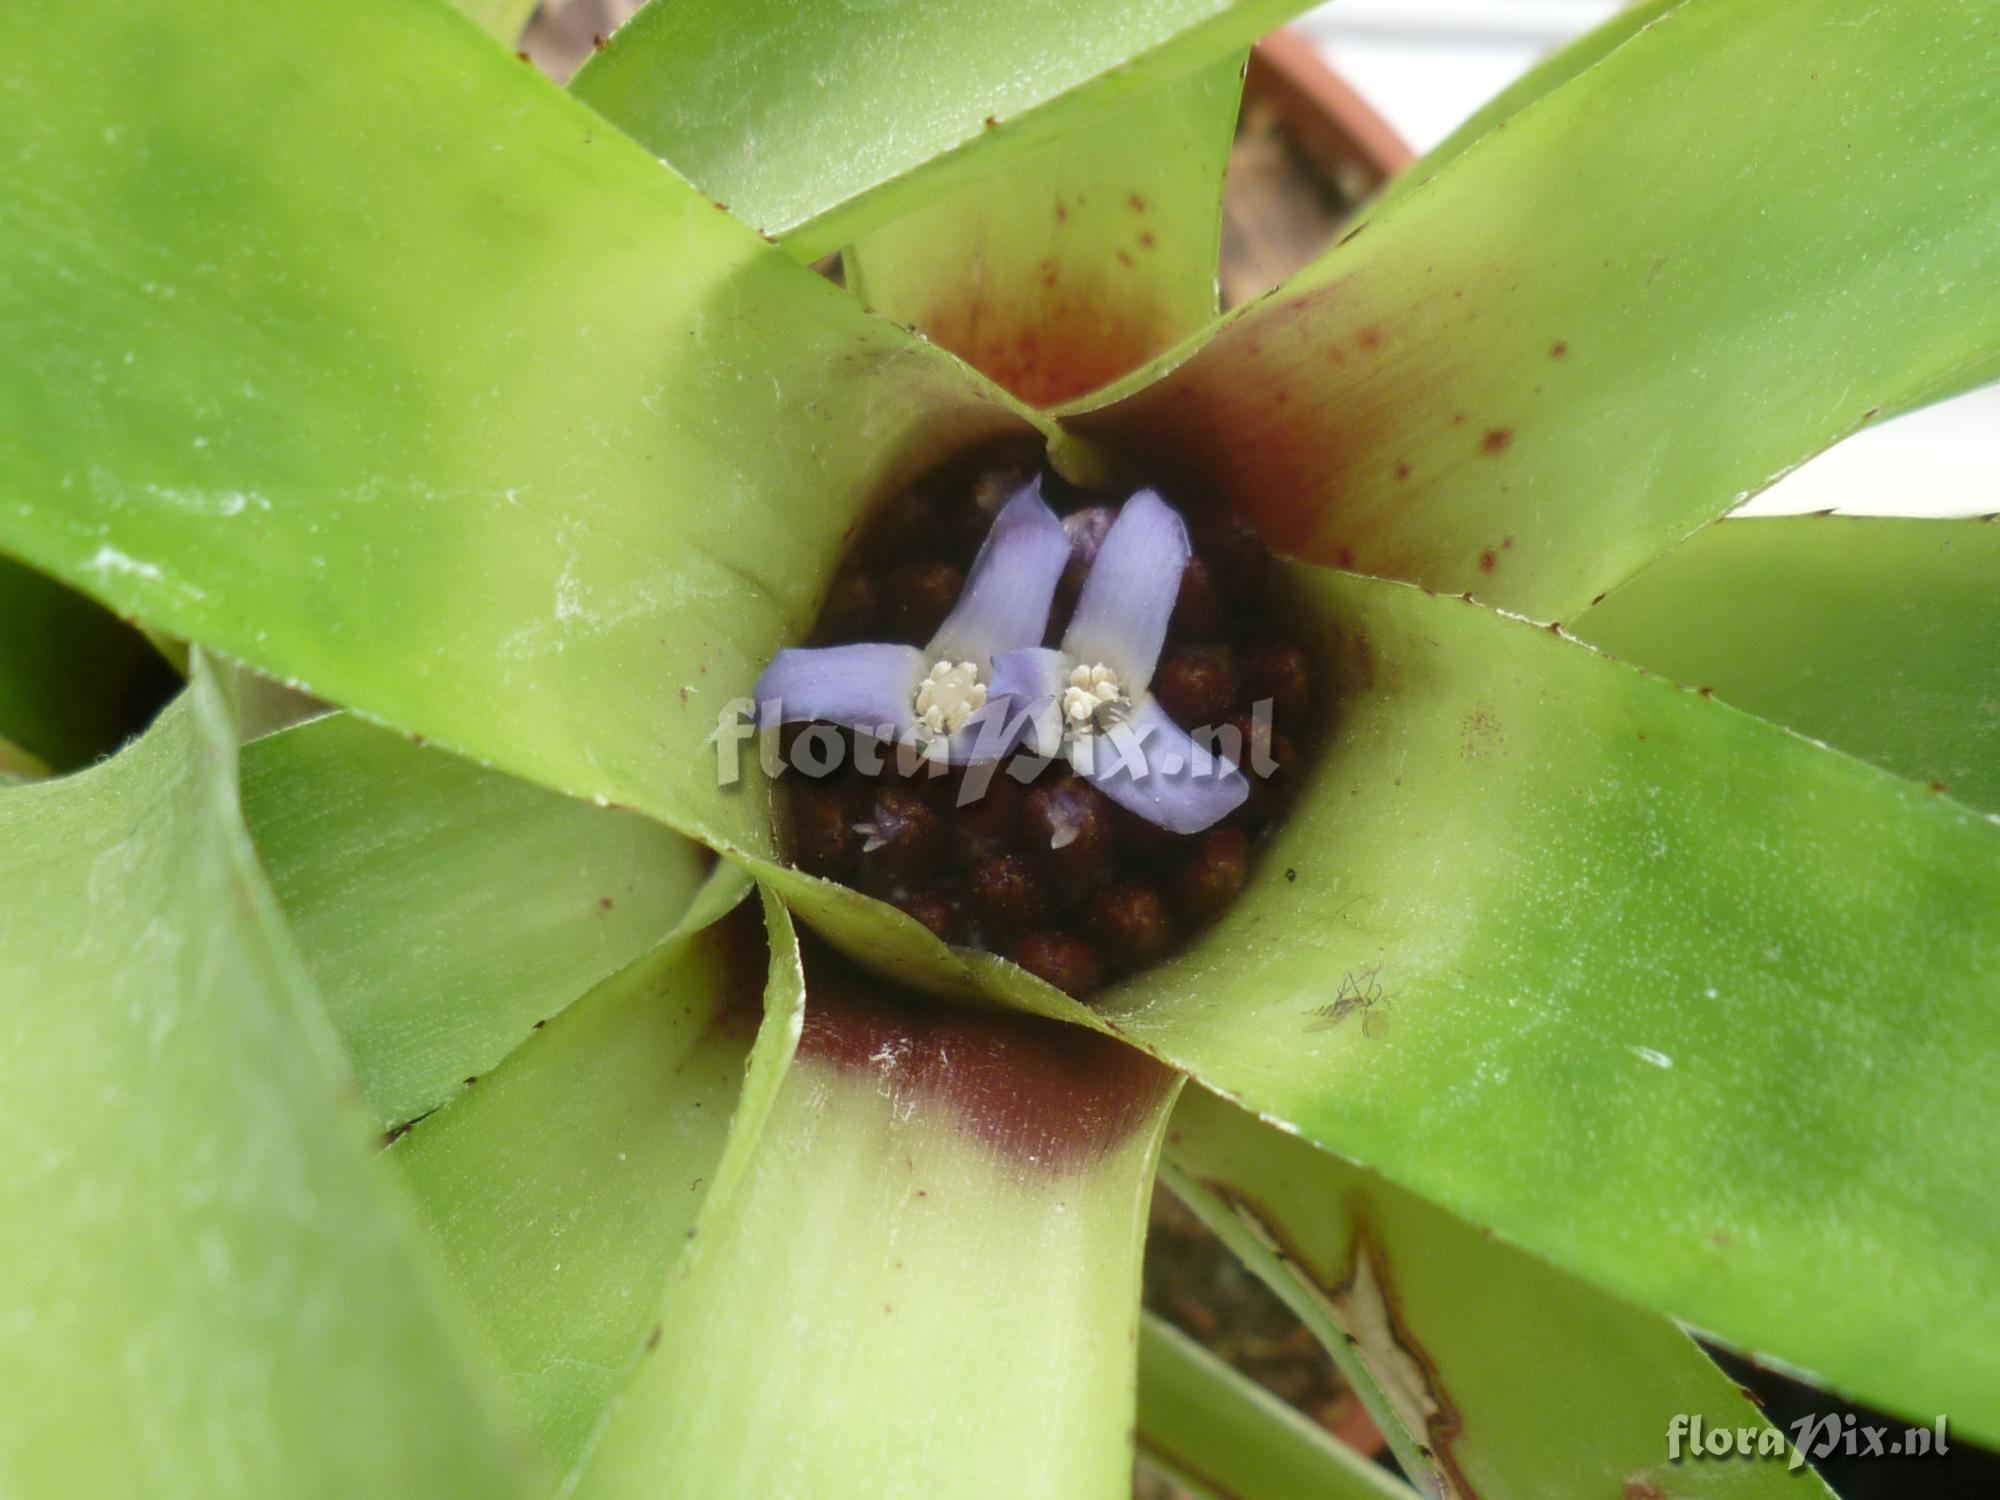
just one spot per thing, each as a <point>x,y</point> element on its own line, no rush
<point>1089,697</point>
<point>939,697</point>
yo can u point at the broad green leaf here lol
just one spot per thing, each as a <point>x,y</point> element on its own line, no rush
<point>1078,261</point>
<point>1698,1010</point>
<point>1505,1376</point>
<point>442,908</point>
<point>566,1184</point>
<point>819,120</point>
<point>206,1288</point>
<point>73,679</point>
<point>429,393</point>
<point>1880,636</point>
<point>1546,76</point>
<point>1618,317</point>
<point>1226,1437</point>
<point>924,1279</point>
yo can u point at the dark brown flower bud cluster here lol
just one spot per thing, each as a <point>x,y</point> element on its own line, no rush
<point>1042,866</point>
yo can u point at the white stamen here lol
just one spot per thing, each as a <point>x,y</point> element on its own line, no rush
<point>950,694</point>
<point>1095,698</point>
<point>872,836</point>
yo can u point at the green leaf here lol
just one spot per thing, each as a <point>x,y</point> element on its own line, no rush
<point>1545,77</point>
<point>1696,1009</point>
<point>566,1184</point>
<point>819,120</point>
<point>922,1280</point>
<point>1621,315</point>
<point>1439,1315</point>
<point>430,394</point>
<point>206,1288</point>
<point>74,681</point>
<point>1075,262</point>
<point>443,909</point>
<point>1224,1436</point>
<point>1880,636</point>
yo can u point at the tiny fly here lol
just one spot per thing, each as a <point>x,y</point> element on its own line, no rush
<point>1359,992</point>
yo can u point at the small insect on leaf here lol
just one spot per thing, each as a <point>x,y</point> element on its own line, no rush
<point>1360,992</point>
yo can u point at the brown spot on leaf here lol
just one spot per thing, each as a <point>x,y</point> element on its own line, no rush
<point>1559,349</point>
<point>992,121</point>
<point>1487,560</point>
<point>1134,202</point>
<point>1496,440</point>
<point>1402,471</point>
<point>653,1339</point>
<point>1147,239</point>
<point>1370,337</point>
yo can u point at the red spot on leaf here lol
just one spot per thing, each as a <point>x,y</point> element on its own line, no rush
<point>1497,440</point>
<point>1370,337</point>
<point>1559,349</point>
<point>1402,471</point>
<point>1488,560</point>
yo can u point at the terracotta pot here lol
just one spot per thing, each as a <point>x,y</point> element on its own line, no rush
<point>1336,129</point>
<point>1308,150</point>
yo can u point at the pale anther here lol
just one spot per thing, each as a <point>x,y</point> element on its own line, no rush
<point>950,694</point>
<point>1094,696</point>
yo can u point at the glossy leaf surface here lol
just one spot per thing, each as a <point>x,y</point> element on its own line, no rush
<point>1618,317</point>
<point>206,1288</point>
<point>1222,1435</point>
<point>430,393</point>
<point>442,908</point>
<point>1075,262</point>
<point>1693,1007</point>
<point>566,1184</point>
<point>924,1279</point>
<point>1878,635</point>
<point>1505,1377</point>
<point>819,120</point>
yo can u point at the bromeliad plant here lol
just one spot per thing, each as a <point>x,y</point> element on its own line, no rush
<point>1567,1005</point>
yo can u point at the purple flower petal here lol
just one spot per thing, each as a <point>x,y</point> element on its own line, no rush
<point>1121,618</point>
<point>1030,683</point>
<point>865,686</point>
<point>1006,599</point>
<point>1151,766</point>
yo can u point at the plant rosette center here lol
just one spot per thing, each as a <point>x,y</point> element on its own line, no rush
<point>1045,723</point>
